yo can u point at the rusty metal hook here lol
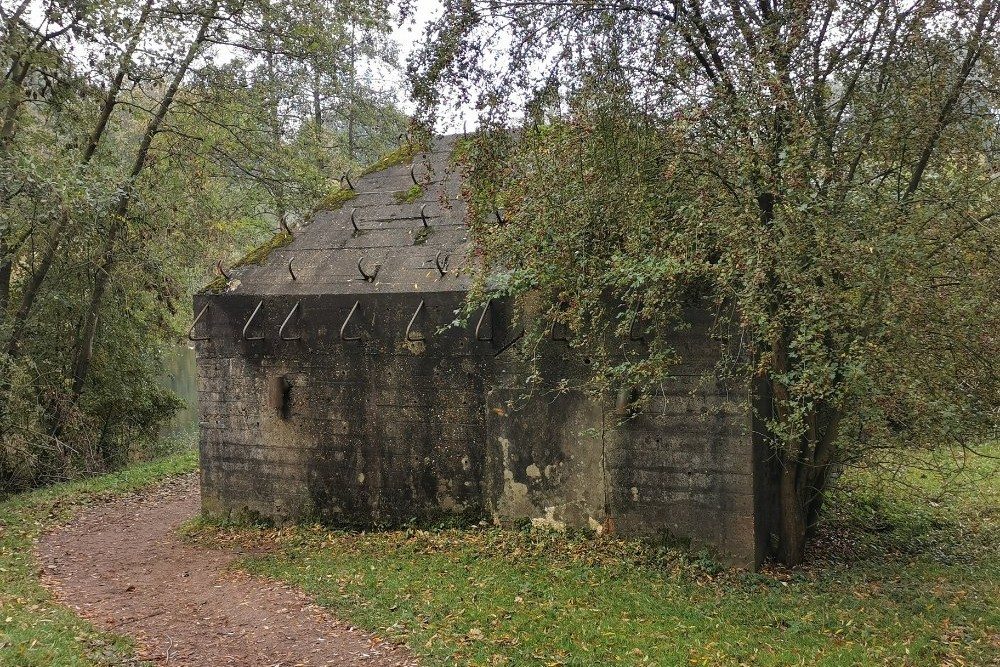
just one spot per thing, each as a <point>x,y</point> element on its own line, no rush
<point>506,346</point>
<point>368,277</point>
<point>479,324</point>
<point>347,177</point>
<point>288,318</point>
<point>353,221</point>
<point>413,176</point>
<point>260,304</point>
<point>222,271</point>
<point>437,263</point>
<point>641,338</point>
<point>343,326</point>
<point>423,215</point>
<point>290,271</point>
<point>191,335</point>
<point>413,319</point>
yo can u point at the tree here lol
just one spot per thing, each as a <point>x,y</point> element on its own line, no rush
<point>825,172</point>
<point>139,146</point>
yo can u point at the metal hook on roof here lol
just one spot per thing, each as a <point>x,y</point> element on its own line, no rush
<point>288,318</point>
<point>479,324</point>
<point>366,276</point>
<point>413,176</point>
<point>413,319</point>
<point>354,223</point>
<point>437,263</point>
<point>260,304</point>
<point>191,335</point>
<point>222,271</point>
<point>343,326</point>
<point>290,271</point>
<point>423,214</point>
<point>347,177</point>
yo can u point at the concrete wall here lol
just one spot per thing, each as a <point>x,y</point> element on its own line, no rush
<point>368,432</point>
<point>683,466</point>
<point>379,431</point>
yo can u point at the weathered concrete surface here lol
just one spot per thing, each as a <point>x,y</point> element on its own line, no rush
<point>682,466</point>
<point>381,430</point>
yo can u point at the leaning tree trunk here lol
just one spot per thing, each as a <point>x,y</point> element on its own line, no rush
<point>85,350</point>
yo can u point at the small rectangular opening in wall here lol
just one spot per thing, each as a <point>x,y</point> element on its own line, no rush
<point>280,395</point>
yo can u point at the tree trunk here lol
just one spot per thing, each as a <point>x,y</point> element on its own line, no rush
<point>792,528</point>
<point>85,349</point>
<point>351,85</point>
<point>318,120</point>
<point>804,461</point>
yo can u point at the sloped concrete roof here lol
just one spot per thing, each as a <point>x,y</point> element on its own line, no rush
<point>324,255</point>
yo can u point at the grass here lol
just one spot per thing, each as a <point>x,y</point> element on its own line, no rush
<point>895,580</point>
<point>34,629</point>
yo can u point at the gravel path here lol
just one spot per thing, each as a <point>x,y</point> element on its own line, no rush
<point>122,566</point>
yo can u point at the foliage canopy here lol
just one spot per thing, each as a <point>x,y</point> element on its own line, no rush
<point>824,173</point>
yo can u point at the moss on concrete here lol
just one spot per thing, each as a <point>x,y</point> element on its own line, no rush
<point>256,256</point>
<point>401,155</point>
<point>216,285</point>
<point>422,235</point>
<point>259,254</point>
<point>409,196</point>
<point>335,200</point>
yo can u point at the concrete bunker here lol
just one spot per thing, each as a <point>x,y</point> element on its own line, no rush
<point>331,387</point>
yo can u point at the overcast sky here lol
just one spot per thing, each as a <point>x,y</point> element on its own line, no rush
<point>408,36</point>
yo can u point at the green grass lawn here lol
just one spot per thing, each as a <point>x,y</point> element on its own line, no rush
<point>896,578</point>
<point>34,630</point>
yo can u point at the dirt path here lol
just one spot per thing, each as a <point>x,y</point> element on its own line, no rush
<point>122,566</point>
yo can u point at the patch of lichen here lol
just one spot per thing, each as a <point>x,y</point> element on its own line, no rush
<point>216,285</point>
<point>401,155</point>
<point>462,152</point>
<point>335,200</point>
<point>259,254</point>
<point>422,235</point>
<point>409,196</point>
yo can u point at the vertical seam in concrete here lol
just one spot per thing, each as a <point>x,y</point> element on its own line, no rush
<point>604,462</point>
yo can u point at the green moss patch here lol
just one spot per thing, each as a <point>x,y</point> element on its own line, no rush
<point>259,254</point>
<point>409,196</point>
<point>422,235</point>
<point>401,155</point>
<point>335,200</point>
